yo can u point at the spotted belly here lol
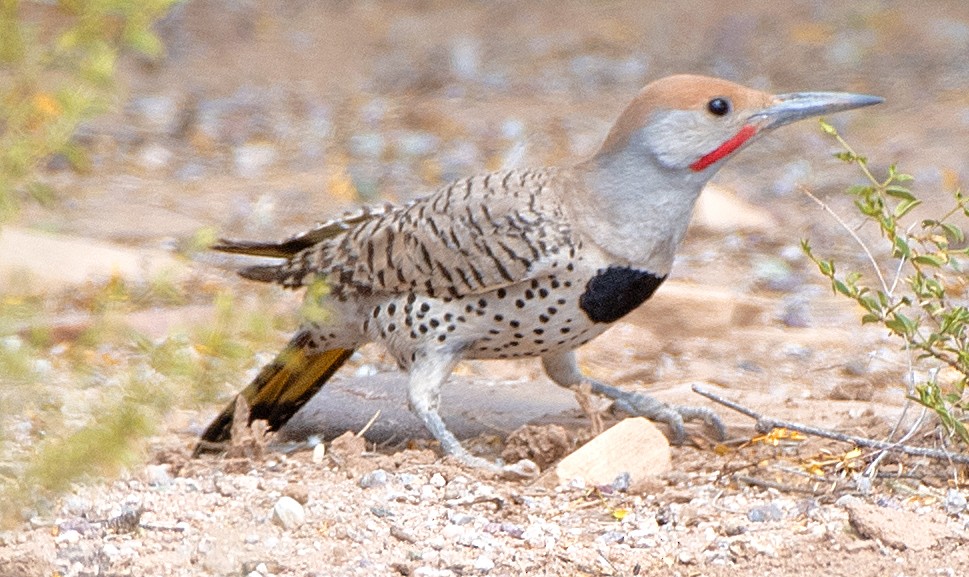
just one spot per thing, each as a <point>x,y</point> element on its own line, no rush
<point>533,318</point>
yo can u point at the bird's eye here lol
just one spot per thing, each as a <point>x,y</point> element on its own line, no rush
<point>718,106</point>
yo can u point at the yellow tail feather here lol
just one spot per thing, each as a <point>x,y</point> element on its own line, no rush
<point>281,388</point>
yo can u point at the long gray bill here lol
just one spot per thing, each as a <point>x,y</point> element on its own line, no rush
<point>795,106</point>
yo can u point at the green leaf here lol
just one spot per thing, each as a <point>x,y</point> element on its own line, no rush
<point>841,288</point>
<point>901,248</point>
<point>899,192</point>
<point>952,231</point>
<point>936,260</point>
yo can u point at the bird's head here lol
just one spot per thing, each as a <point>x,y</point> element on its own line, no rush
<point>693,123</point>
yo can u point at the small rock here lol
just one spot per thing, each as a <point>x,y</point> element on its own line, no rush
<point>894,527</point>
<point>319,453</point>
<point>732,528</point>
<point>70,537</point>
<point>607,456</point>
<point>158,475</point>
<point>288,513</point>
<point>111,551</point>
<point>409,480</point>
<point>437,480</point>
<point>252,160</point>
<point>460,518</point>
<point>159,113</point>
<point>765,513</point>
<point>955,502</point>
<point>375,478</point>
<point>484,563</point>
<point>154,157</point>
<point>366,145</point>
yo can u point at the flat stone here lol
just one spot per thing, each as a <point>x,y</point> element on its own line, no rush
<point>633,446</point>
<point>53,262</point>
<point>469,407</point>
<point>894,527</point>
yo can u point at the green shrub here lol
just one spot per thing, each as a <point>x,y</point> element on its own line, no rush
<point>920,296</point>
<point>57,69</point>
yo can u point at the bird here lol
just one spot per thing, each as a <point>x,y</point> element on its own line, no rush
<point>513,263</point>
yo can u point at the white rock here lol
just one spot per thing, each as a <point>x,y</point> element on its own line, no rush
<point>437,480</point>
<point>158,475</point>
<point>484,563</point>
<point>70,537</point>
<point>605,457</point>
<point>319,453</point>
<point>288,513</point>
<point>252,160</point>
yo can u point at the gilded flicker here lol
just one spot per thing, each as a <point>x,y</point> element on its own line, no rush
<point>516,263</point>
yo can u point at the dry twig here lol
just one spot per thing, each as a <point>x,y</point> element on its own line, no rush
<point>766,424</point>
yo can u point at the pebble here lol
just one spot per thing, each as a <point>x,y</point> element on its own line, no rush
<point>367,145</point>
<point>288,513</point>
<point>159,113</point>
<point>460,518</point>
<point>158,475</point>
<point>409,480</point>
<point>375,478</point>
<point>437,480</point>
<point>955,502</point>
<point>765,513</point>
<point>252,160</point>
<point>70,537</point>
<point>484,563</point>
<point>416,143</point>
<point>319,453</point>
<point>154,156</point>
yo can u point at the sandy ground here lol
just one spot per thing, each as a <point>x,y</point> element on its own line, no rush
<point>266,117</point>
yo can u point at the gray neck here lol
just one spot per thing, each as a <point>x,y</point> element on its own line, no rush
<point>635,210</point>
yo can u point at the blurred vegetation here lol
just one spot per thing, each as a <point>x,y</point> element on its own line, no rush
<point>919,296</point>
<point>80,397</point>
<point>78,405</point>
<point>58,61</point>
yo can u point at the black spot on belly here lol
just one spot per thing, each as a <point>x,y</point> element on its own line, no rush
<point>615,291</point>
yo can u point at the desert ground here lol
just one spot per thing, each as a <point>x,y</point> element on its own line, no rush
<point>266,117</point>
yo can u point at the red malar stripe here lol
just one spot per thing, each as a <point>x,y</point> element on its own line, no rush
<point>726,148</point>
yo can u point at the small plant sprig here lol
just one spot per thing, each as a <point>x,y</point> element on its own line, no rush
<point>923,299</point>
<point>58,66</point>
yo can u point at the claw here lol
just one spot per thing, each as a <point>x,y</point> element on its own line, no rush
<point>674,416</point>
<point>524,469</point>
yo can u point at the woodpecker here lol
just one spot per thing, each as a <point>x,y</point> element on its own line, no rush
<point>516,263</point>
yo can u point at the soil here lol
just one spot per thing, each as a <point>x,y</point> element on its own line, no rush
<point>268,116</point>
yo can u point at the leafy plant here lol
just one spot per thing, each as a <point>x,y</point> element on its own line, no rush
<point>922,296</point>
<point>57,69</point>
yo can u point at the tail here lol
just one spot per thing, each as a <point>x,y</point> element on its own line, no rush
<point>281,388</point>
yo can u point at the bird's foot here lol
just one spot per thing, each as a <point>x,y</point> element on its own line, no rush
<point>524,469</point>
<point>642,405</point>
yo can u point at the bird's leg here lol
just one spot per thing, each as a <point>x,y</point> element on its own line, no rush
<point>427,374</point>
<point>564,370</point>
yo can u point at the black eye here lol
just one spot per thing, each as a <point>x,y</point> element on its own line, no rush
<point>718,106</point>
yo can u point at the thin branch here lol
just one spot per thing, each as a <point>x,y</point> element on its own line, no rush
<point>854,235</point>
<point>766,484</point>
<point>766,424</point>
<point>366,427</point>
